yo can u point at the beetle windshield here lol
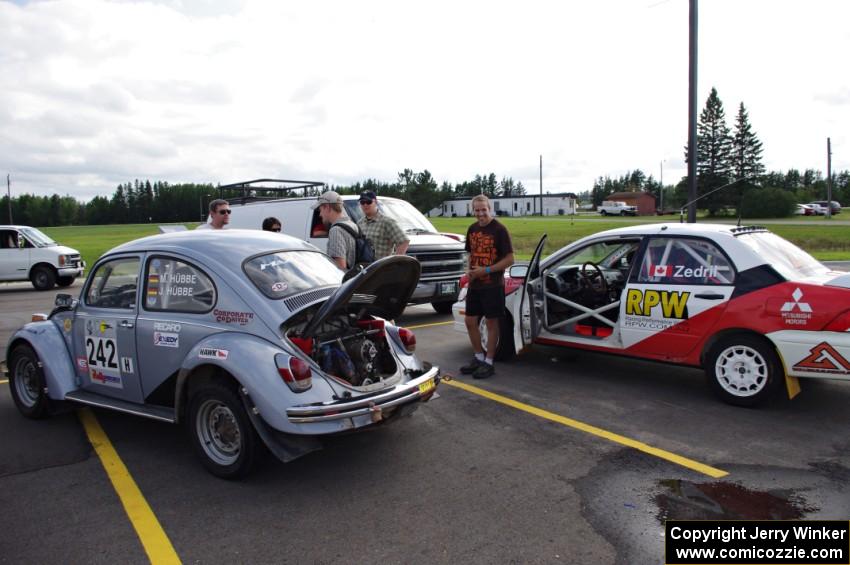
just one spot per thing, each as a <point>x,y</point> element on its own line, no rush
<point>788,259</point>
<point>284,273</point>
<point>37,237</point>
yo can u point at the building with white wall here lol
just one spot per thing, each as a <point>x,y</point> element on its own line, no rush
<point>561,204</point>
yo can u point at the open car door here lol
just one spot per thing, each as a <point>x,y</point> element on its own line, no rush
<point>524,312</point>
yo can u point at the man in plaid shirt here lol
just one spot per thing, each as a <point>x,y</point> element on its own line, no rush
<point>384,233</point>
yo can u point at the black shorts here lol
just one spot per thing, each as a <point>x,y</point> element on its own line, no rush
<point>488,302</point>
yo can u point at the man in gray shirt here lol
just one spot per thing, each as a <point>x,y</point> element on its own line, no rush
<point>341,245</point>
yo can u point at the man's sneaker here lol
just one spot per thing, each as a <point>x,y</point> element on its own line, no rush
<point>483,371</point>
<point>471,366</point>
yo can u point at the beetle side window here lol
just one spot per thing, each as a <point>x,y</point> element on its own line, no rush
<point>114,284</point>
<point>684,261</point>
<point>176,286</point>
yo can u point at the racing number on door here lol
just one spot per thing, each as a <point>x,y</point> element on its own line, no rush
<point>102,352</point>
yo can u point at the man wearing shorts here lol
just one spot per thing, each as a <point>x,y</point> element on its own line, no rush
<point>490,253</point>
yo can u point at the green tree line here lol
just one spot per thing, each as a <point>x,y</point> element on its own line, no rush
<point>729,159</point>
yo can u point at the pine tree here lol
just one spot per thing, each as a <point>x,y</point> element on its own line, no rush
<point>746,148</point>
<point>714,146</point>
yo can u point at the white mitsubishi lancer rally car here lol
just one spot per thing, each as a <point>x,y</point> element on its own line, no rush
<point>754,310</point>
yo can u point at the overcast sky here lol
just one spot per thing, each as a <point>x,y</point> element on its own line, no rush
<point>98,93</point>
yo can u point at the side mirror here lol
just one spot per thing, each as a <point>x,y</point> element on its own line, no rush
<point>518,271</point>
<point>65,301</point>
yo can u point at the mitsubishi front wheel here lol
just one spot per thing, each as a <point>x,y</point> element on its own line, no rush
<point>743,370</point>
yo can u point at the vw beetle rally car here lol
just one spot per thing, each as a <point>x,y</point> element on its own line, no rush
<point>741,302</point>
<point>249,337</point>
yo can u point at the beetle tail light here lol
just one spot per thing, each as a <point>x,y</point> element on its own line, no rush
<point>295,372</point>
<point>408,339</point>
<point>840,323</point>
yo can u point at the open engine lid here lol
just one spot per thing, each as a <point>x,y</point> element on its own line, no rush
<point>383,289</point>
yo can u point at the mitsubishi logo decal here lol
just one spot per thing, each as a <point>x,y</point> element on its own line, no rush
<point>803,306</point>
<point>803,313</point>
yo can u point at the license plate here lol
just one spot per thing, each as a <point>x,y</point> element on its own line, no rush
<point>426,386</point>
<point>448,288</point>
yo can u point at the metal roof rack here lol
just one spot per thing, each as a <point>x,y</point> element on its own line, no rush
<point>259,189</point>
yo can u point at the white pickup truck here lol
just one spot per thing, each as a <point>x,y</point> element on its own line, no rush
<point>616,208</point>
<point>28,254</point>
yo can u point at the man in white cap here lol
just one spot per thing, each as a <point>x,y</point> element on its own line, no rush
<point>341,244</point>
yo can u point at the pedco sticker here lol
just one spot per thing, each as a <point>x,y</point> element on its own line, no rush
<point>212,353</point>
<point>279,287</point>
<point>166,327</point>
<point>99,377</point>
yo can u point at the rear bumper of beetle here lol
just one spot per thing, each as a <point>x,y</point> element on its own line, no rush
<point>419,389</point>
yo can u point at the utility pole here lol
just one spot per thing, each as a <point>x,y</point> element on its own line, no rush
<point>828,178</point>
<point>693,155</point>
<point>9,193</point>
<point>661,181</point>
<point>541,185</point>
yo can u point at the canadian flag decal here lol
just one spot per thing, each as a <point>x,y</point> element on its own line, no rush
<point>662,271</point>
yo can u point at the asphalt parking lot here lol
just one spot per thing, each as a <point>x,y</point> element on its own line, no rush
<point>561,457</point>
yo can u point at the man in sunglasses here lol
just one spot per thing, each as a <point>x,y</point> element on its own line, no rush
<point>219,215</point>
<point>384,233</point>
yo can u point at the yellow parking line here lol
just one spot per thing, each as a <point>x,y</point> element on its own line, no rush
<point>599,432</point>
<point>153,538</point>
<point>429,325</point>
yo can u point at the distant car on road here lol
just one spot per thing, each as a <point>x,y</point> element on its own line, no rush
<point>616,208</point>
<point>741,302</point>
<point>804,210</point>
<point>250,338</point>
<point>834,206</point>
<point>28,254</point>
<point>819,209</point>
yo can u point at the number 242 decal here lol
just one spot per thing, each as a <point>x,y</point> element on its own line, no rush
<point>102,352</point>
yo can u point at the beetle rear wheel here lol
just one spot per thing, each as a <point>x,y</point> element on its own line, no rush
<point>222,433</point>
<point>27,383</point>
<point>743,370</point>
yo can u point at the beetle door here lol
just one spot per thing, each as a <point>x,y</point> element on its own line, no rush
<point>526,305</point>
<point>178,297</point>
<point>104,330</point>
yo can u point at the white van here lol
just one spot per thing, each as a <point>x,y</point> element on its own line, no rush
<point>28,254</point>
<point>442,258</point>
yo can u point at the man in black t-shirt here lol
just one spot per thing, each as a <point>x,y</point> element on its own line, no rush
<point>490,253</point>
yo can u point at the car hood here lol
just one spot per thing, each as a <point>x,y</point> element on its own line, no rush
<point>432,240</point>
<point>382,289</point>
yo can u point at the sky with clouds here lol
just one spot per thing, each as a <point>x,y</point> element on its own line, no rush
<point>98,93</point>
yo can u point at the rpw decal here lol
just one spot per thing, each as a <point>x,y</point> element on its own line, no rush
<point>673,304</point>
<point>823,358</point>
